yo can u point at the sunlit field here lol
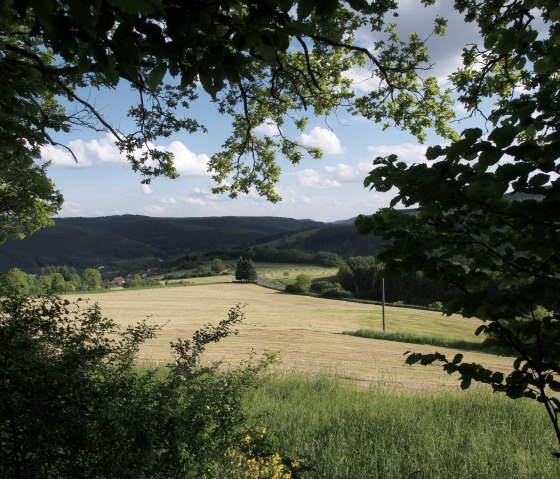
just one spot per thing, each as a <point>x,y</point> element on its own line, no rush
<point>304,331</point>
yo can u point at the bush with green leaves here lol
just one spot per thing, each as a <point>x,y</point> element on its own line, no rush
<point>74,404</point>
<point>301,285</point>
<point>337,291</point>
<point>217,266</point>
<point>138,282</point>
<point>245,270</point>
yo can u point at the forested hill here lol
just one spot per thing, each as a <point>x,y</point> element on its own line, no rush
<point>112,240</point>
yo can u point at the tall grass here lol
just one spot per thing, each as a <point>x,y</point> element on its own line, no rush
<point>342,432</point>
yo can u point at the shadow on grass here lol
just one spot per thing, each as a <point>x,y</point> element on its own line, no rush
<point>433,341</point>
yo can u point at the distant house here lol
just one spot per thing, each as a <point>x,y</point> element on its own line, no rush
<point>117,281</point>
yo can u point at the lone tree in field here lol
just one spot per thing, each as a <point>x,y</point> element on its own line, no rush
<point>487,217</point>
<point>217,266</point>
<point>264,62</point>
<point>245,270</point>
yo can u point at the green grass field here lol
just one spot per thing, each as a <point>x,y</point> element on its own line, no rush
<point>279,272</point>
<point>306,332</point>
<point>286,273</point>
<point>348,405</point>
<point>345,433</point>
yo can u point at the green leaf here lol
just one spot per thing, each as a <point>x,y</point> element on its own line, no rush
<point>554,385</point>
<point>517,363</point>
<point>545,65</point>
<point>503,136</point>
<point>466,382</point>
<point>555,15</point>
<point>205,78</point>
<point>457,358</point>
<point>156,76</point>
<point>136,6</point>
<point>480,329</point>
<point>268,52</point>
<point>539,179</point>
<point>304,8</point>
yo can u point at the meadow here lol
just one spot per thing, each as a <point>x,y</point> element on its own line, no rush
<point>305,332</point>
<point>346,405</point>
<point>348,433</point>
<point>279,272</point>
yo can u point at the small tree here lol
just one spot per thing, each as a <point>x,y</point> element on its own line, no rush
<point>217,266</point>
<point>91,279</point>
<point>301,285</point>
<point>245,270</point>
<point>58,284</point>
<point>15,281</point>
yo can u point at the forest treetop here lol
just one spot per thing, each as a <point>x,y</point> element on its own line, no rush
<point>260,61</point>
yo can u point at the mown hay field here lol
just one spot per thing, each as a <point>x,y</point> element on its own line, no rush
<point>304,331</point>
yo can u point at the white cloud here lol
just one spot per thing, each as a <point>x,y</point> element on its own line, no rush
<point>291,196</point>
<point>362,79</point>
<point>345,173</point>
<point>153,210</point>
<point>146,189</point>
<point>167,200</point>
<point>70,208</point>
<point>322,138</point>
<point>407,152</point>
<point>189,200</point>
<point>315,179</point>
<point>62,157</point>
<point>87,153</point>
<point>104,150</point>
<point>187,162</point>
<point>268,128</point>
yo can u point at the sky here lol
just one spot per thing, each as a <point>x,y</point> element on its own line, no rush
<point>102,183</point>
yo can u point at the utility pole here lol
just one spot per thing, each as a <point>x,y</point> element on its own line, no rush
<point>383,301</point>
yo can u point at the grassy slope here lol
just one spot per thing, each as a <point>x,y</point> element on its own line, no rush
<point>351,433</point>
<point>305,331</point>
<point>286,273</point>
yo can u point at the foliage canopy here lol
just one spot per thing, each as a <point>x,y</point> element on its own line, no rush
<point>74,404</point>
<point>264,62</point>
<point>486,217</point>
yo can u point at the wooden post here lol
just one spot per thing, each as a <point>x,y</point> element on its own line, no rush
<point>383,301</point>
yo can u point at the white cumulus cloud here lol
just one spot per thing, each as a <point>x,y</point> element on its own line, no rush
<point>87,153</point>
<point>362,79</point>
<point>104,150</point>
<point>186,162</point>
<point>268,128</point>
<point>407,152</point>
<point>154,210</point>
<point>315,179</point>
<point>322,138</point>
<point>345,173</point>
<point>146,189</point>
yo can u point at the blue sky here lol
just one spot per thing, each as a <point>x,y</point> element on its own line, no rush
<point>102,183</point>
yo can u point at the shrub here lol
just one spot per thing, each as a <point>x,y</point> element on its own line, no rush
<point>321,286</point>
<point>254,458</point>
<point>75,405</point>
<point>337,292</point>
<point>301,285</point>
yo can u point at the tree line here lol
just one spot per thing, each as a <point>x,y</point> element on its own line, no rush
<point>51,280</point>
